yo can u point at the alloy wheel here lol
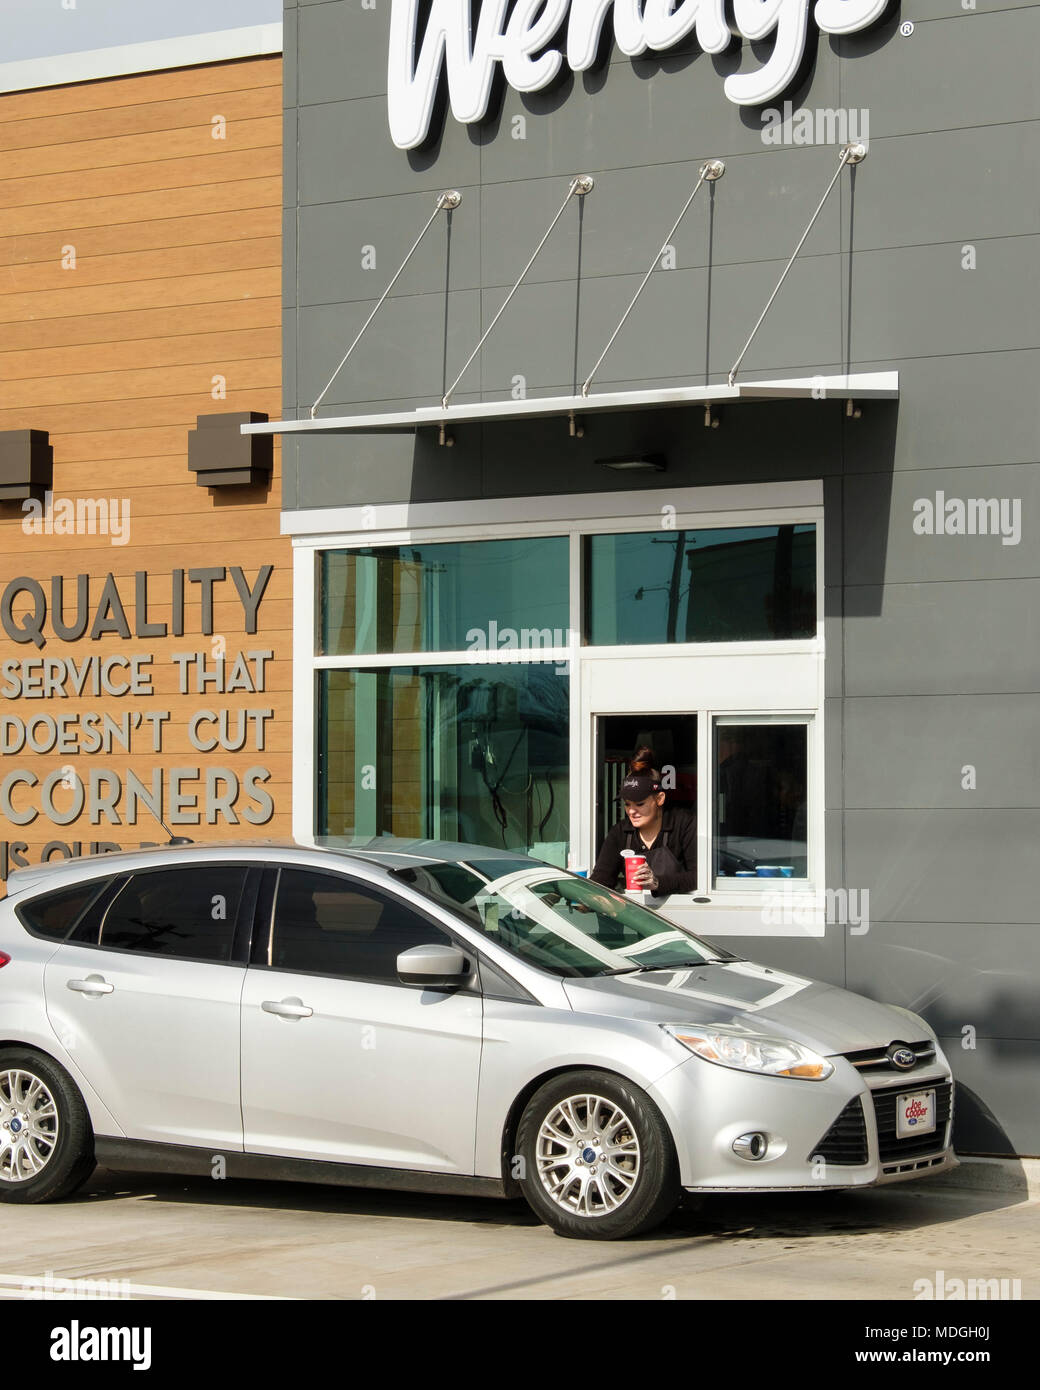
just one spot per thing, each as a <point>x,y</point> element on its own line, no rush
<point>28,1126</point>
<point>587,1155</point>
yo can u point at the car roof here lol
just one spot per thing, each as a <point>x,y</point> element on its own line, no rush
<point>386,851</point>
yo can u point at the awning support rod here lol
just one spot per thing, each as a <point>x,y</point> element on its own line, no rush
<point>447,202</point>
<point>712,170</point>
<point>853,153</point>
<point>580,185</point>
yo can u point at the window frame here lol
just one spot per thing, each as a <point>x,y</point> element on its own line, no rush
<point>579,515</point>
<point>267,905</point>
<point>240,928</point>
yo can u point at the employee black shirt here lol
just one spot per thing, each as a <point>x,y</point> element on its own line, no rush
<point>674,864</point>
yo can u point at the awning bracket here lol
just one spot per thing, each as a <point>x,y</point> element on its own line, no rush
<point>579,186</point>
<point>853,153</point>
<point>710,171</point>
<point>447,202</point>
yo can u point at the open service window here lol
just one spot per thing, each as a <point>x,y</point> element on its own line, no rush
<point>484,671</point>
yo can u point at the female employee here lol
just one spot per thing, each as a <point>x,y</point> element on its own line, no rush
<point>668,838</point>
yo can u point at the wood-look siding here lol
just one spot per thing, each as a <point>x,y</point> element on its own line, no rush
<point>176,238</point>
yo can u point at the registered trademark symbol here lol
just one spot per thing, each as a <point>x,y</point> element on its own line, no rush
<point>906,28</point>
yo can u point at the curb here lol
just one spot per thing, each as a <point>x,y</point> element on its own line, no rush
<point>1017,1176</point>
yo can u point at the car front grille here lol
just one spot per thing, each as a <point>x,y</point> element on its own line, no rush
<point>896,1151</point>
<point>846,1141</point>
<point>872,1060</point>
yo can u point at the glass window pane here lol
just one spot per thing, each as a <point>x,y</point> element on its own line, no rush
<point>186,913</point>
<point>445,597</point>
<point>760,801</point>
<point>565,925</point>
<point>55,914</point>
<point>476,753</point>
<point>329,925</point>
<point>737,584</point>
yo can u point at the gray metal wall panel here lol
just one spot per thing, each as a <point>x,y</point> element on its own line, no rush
<point>996,1106</point>
<point>291,49</point>
<point>290,269</point>
<point>882,524</point>
<point>944,866</point>
<point>936,78</point>
<point>343,155</point>
<point>333,238</point>
<point>954,412</point>
<point>981,976</point>
<point>345,48</point>
<point>388,369</point>
<point>941,187</point>
<point>910,752</point>
<point>942,638</point>
<point>916,301</point>
<point>290,163</point>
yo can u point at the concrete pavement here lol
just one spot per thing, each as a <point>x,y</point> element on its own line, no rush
<point>287,1240</point>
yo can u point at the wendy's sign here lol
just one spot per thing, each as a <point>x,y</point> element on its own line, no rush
<point>534,39</point>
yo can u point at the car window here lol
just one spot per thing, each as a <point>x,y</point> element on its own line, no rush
<point>188,913</point>
<point>54,915</point>
<point>327,924</point>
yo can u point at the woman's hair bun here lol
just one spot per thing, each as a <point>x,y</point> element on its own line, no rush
<point>643,761</point>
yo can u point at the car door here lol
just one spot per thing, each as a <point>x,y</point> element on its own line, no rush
<point>147,1001</point>
<point>340,1060</point>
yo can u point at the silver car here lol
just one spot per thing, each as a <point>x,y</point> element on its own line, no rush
<point>441,1018</point>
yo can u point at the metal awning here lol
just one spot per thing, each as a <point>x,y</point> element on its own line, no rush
<point>863,386</point>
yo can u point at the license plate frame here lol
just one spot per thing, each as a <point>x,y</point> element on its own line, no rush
<point>909,1122</point>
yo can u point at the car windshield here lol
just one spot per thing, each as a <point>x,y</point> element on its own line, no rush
<point>557,921</point>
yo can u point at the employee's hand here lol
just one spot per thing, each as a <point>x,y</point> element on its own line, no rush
<point>646,878</point>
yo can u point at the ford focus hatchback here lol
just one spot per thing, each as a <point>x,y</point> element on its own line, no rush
<point>441,1018</point>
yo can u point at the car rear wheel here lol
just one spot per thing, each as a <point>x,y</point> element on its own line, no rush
<point>46,1142</point>
<point>598,1160</point>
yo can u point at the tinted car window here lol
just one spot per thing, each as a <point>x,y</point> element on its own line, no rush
<point>55,914</point>
<point>188,913</point>
<point>330,925</point>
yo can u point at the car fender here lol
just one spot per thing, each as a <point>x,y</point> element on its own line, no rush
<point>22,1025</point>
<point>525,1045</point>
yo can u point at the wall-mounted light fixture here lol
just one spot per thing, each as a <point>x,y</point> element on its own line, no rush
<point>221,456</point>
<point>26,464</point>
<point>636,463</point>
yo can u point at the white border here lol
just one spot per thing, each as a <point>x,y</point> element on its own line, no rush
<point>759,504</point>
<point>184,51</point>
<point>864,386</point>
<point>731,913</point>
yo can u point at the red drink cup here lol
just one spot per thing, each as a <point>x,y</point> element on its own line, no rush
<point>633,863</point>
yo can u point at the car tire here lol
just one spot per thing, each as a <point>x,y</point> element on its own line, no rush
<point>598,1161</point>
<point>46,1140</point>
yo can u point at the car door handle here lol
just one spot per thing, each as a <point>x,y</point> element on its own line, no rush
<point>93,984</point>
<point>287,1008</point>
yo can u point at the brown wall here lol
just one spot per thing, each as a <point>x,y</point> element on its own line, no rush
<point>176,240</point>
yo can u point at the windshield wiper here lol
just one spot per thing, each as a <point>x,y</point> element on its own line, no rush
<point>672,965</point>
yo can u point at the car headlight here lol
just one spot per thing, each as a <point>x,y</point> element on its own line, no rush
<point>732,1047</point>
<point>922,1023</point>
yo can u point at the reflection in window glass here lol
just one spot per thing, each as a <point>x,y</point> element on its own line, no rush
<point>476,753</point>
<point>445,597</point>
<point>187,913</point>
<point>55,914</point>
<point>327,925</point>
<point>736,584</point>
<point>563,924</point>
<point>761,801</point>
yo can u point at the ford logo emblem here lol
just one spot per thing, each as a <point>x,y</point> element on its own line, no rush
<point>902,1056</point>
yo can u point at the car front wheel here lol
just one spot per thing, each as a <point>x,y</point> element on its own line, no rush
<point>46,1142</point>
<point>598,1160</point>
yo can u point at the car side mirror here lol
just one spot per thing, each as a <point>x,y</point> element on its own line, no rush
<point>435,967</point>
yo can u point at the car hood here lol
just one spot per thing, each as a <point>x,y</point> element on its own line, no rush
<point>761,999</point>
